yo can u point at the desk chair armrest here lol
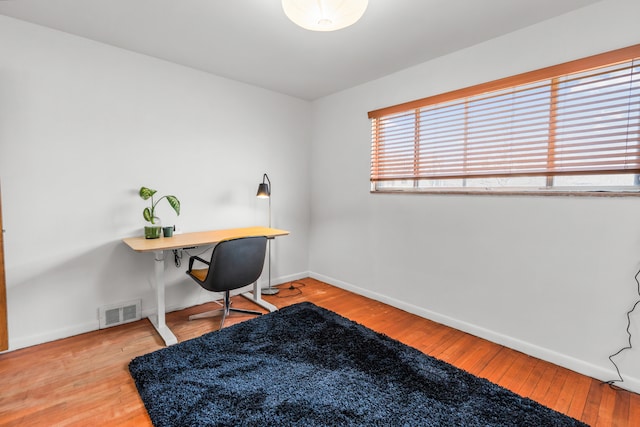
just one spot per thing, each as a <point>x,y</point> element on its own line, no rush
<point>195,257</point>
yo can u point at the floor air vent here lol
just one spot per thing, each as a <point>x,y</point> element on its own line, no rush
<point>117,314</point>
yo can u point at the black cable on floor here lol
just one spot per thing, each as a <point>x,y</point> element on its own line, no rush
<point>293,286</point>
<point>629,346</point>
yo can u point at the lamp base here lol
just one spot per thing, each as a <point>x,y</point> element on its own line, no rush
<point>269,291</point>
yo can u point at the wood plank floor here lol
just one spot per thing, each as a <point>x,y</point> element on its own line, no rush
<point>84,380</point>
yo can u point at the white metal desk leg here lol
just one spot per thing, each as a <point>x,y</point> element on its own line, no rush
<point>256,297</point>
<point>158,319</point>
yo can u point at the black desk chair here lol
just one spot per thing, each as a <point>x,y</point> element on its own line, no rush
<point>234,264</point>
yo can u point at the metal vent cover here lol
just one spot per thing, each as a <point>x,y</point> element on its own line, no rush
<point>117,314</point>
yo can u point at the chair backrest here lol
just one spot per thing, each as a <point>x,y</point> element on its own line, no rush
<point>235,263</point>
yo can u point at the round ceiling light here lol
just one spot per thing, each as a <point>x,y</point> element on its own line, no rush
<point>324,15</point>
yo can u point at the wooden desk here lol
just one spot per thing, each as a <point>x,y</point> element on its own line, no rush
<point>188,240</point>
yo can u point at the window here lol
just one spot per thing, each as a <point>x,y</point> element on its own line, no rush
<point>571,127</point>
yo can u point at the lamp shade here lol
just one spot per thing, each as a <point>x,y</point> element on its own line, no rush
<point>324,15</point>
<point>263,191</point>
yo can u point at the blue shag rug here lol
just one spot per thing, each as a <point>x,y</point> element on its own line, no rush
<point>307,366</point>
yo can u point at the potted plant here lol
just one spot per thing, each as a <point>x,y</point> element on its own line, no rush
<point>153,231</point>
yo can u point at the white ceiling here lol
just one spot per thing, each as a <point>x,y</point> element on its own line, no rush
<point>252,41</point>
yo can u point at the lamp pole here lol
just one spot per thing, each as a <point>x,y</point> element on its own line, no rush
<point>264,190</point>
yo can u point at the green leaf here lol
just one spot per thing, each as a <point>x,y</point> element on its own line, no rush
<point>146,193</point>
<point>146,213</point>
<point>175,203</point>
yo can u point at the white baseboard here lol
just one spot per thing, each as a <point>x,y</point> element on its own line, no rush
<point>284,279</point>
<point>577,365</point>
<point>23,342</point>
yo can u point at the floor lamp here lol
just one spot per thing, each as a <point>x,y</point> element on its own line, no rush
<point>264,192</point>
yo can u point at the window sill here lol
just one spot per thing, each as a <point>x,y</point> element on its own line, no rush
<point>512,192</point>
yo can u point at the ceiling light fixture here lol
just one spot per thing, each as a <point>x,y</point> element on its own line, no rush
<point>324,15</point>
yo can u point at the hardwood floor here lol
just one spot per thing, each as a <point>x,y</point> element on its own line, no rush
<point>84,380</point>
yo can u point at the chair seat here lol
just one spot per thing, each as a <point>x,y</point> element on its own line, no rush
<point>200,274</point>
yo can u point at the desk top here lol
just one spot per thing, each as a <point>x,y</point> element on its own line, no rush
<point>200,238</point>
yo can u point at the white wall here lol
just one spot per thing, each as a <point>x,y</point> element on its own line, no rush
<point>83,126</point>
<point>551,276</point>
